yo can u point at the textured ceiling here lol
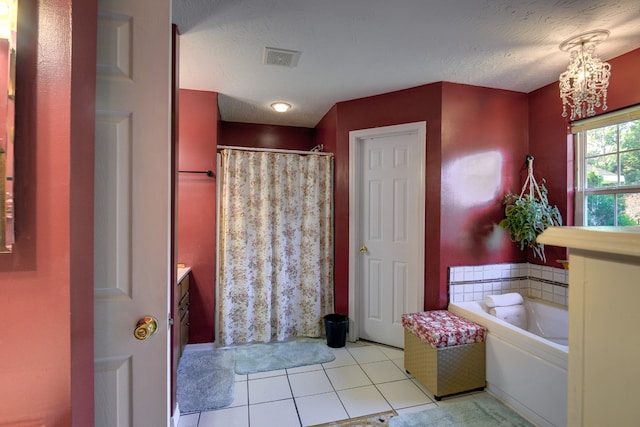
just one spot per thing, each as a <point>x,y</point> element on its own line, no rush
<point>357,48</point>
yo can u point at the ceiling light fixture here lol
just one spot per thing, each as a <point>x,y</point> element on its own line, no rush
<point>281,107</point>
<point>583,86</point>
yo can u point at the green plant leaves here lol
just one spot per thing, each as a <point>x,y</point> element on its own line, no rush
<point>527,216</point>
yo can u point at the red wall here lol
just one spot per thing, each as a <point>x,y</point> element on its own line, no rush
<point>266,136</point>
<point>325,130</point>
<point>624,89</point>
<point>478,125</point>
<point>198,132</point>
<point>553,158</point>
<point>46,292</point>
<point>461,120</point>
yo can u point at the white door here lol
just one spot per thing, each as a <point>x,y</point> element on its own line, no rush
<point>132,199</point>
<point>388,167</point>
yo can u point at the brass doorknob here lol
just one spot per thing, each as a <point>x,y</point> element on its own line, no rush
<point>146,327</point>
<point>363,249</point>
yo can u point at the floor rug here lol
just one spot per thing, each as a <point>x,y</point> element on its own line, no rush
<point>481,411</point>
<point>376,420</point>
<point>205,380</point>
<point>280,355</point>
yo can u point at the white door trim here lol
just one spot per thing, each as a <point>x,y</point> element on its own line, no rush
<point>355,149</point>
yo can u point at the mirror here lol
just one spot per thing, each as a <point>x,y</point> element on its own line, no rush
<point>8,21</point>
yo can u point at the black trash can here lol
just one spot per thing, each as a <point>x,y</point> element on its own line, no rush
<point>336,326</point>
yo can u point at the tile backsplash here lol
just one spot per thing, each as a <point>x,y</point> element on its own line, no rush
<point>472,283</point>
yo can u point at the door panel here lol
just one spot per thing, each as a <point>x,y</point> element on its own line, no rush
<point>131,219</point>
<point>400,291</point>
<point>373,275</point>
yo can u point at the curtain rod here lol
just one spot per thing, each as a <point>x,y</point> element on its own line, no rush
<point>209,173</point>
<point>272,150</point>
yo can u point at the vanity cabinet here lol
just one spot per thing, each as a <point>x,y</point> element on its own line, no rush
<point>604,349</point>
<point>183,307</point>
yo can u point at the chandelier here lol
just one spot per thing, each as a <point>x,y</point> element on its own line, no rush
<point>583,86</point>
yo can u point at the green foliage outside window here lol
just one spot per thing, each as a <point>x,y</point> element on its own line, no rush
<point>613,160</point>
<point>600,207</point>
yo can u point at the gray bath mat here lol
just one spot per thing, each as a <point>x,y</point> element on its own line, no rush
<point>281,355</point>
<point>205,380</point>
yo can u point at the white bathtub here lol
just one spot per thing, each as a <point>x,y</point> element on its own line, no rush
<point>526,369</point>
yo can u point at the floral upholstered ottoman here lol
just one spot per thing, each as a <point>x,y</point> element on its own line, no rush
<point>445,352</point>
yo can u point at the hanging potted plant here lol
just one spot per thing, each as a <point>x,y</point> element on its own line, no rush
<point>529,214</point>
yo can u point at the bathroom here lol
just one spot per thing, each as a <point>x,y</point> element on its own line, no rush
<point>461,219</point>
<point>521,124</point>
<point>511,126</point>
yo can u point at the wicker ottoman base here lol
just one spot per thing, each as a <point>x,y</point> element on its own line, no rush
<point>445,371</point>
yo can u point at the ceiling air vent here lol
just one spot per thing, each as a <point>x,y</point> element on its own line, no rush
<point>281,57</point>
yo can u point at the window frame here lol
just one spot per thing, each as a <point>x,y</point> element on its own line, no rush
<point>578,129</point>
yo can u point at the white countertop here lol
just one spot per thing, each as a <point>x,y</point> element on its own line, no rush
<point>182,272</point>
<point>615,240</point>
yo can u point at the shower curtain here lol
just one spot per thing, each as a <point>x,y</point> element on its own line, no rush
<point>276,246</point>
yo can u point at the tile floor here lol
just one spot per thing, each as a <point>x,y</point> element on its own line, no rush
<point>364,379</point>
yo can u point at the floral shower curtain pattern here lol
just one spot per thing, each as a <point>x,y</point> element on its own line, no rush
<point>276,246</point>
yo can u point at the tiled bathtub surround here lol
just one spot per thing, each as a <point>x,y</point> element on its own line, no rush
<point>472,283</point>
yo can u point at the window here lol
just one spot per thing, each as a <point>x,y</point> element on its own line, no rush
<point>608,169</point>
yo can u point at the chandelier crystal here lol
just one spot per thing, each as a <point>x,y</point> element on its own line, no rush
<point>583,86</point>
